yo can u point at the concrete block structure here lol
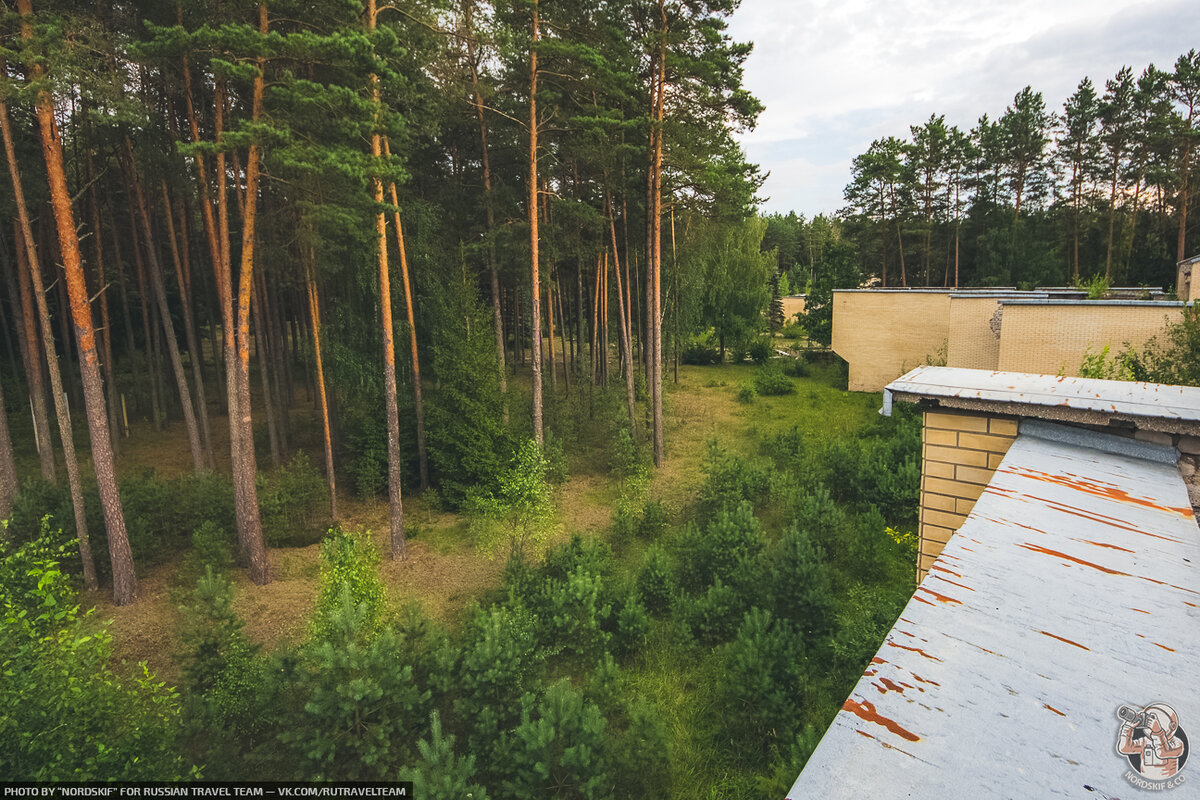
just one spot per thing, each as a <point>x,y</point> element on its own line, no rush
<point>1052,336</point>
<point>883,333</point>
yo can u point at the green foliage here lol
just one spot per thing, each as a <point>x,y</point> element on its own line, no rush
<point>769,380</point>
<point>728,480</point>
<point>351,707</point>
<point>801,585</point>
<point>727,547</point>
<point>348,575</point>
<point>626,459</point>
<point>68,714</point>
<point>632,623</point>
<point>519,512</point>
<point>641,754</point>
<point>764,673</point>
<point>1096,287</point>
<point>1174,356</point>
<point>699,351</point>
<point>221,676</point>
<point>498,665</point>
<point>656,583</point>
<point>747,393</point>
<point>289,499</point>
<point>439,773</point>
<point>465,433</point>
<point>760,351</point>
<point>559,749</point>
<point>714,615</point>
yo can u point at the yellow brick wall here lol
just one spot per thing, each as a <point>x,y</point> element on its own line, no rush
<point>1049,339</point>
<point>972,343</point>
<point>885,334</point>
<point>960,452</point>
<point>792,306</point>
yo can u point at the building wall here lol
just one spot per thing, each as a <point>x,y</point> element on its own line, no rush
<point>959,454</point>
<point>792,305</point>
<point>885,333</point>
<point>973,344</point>
<point>1052,337</point>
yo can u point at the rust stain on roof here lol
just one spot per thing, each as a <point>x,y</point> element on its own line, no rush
<point>1052,708</point>
<point>866,711</point>
<point>941,598</point>
<point>1047,551</point>
<point>1097,488</point>
<point>1064,639</point>
<point>916,650</point>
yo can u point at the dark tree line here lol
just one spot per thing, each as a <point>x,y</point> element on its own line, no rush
<point>1106,187</point>
<point>218,204</point>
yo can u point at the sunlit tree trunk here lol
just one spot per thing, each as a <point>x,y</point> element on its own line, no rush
<point>534,288</point>
<point>395,502</point>
<point>626,338</point>
<point>33,359</point>
<point>314,312</point>
<point>256,554</point>
<point>418,404</point>
<point>120,555</point>
<point>110,383</point>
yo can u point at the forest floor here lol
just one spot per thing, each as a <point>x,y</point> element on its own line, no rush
<point>444,571</point>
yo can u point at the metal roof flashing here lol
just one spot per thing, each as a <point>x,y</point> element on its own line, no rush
<point>1088,401</point>
<point>1071,592</point>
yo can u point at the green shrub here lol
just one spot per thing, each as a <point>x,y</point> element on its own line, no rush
<point>747,393</point>
<point>519,512</point>
<point>498,665</point>
<point>366,444</point>
<point>699,352</point>
<point>796,367</point>
<point>556,459</point>
<point>632,625</point>
<point>349,574</point>
<point>656,580</point>
<point>653,521</point>
<point>626,459</point>
<point>641,757</point>
<point>713,617</point>
<point>727,548</point>
<point>560,748</point>
<point>769,380</point>
<point>352,708</point>
<point>801,584</point>
<point>1173,356</point>
<point>761,689</point>
<point>729,481</point>
<point>761,351</point>
<point>289,500</point>
<point>576,609</point>
<point>222,675</point>
<point>212,549</point>
<point>67,714</point>
<point>439,773</point>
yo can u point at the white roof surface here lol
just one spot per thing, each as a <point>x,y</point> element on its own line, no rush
<point>1072,588</point>
<point>1081,394</point>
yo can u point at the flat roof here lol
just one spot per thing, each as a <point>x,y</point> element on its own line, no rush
<point>1088,400</point>
<point>1072,589</point>
<point>1068,301</point>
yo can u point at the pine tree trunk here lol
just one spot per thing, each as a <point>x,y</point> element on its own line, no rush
<point>256,552</point>
<point>395,506</point>
<point>131,354</point>
<point>655,270</point>
<point>534,288</point>
<point>418,404</point>
<point>1181,247</point>
<point>164,313</point>
<point>189,326</point>
<point>152,364</point>
<point>626,338</point>
<point>33,360</point>
<point>550,328</point>
<point>110,383</point>
<point>314,312</point>
<point>124,579</point>
<point>564,335</point>
<point>8,467</point>
<point>497,319</point>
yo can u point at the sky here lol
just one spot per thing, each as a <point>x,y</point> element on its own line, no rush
<point>836,74</point>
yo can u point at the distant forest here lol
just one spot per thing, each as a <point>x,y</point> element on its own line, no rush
<point>1105,188</point>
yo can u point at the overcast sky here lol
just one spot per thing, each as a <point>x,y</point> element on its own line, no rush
<point>836,74</point>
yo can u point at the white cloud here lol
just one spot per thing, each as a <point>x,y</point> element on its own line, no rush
<point>835,75</point>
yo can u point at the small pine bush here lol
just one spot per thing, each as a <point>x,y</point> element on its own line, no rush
<point>769,380</point>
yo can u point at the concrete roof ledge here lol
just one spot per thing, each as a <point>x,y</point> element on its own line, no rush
<point>1087,401</point>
